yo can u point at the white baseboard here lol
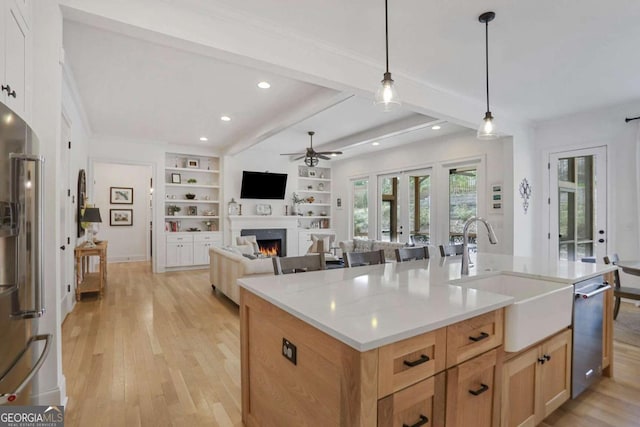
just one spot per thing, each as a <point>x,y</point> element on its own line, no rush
<point>57,396</point>
<point>134,258</point>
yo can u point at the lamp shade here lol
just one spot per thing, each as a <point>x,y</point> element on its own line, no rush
<point>91,215</point>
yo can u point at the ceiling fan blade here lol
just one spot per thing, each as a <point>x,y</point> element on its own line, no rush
<point>292,154</point>
<point>323,157</point>
<point>329,152</point>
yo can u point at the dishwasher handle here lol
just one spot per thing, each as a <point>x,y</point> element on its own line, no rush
<point>600,289</point>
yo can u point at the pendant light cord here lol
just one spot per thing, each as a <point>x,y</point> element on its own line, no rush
<point>486,57</point>
<point>386,34</point>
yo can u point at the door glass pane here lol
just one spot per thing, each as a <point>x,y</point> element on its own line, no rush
<point>361,208</point>
<point>389,208</point>
<point>420,208</point>
<point>463,202</point>
<point>576,207</point>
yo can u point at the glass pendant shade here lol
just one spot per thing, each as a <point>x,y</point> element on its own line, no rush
<point>387,98</point>
<point>487,129</point>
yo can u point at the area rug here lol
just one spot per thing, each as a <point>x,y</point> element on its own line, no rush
<point>626,328</point>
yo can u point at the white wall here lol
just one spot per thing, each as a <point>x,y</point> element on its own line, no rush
<point>259,161</point>
<point>602,127</point>
<point>435,153</point>
<point>49,383</point>
<point>126,243</point>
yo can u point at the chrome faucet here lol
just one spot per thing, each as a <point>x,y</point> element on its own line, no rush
<point>465,240</point>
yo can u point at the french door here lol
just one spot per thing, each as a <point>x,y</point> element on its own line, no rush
<point>578,204</point>
<point>404,206</point>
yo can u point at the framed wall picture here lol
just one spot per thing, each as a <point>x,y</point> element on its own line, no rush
<point>175,178</point>
<point>193,163</point>
<point>192,210</point>
<point>121,196</point>
<point>118,217</point>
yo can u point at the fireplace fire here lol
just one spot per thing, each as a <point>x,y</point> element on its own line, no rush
<point>271,241</point>
<point>269,247</point>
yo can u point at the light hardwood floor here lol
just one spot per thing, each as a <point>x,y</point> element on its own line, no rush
<point>163,350</point>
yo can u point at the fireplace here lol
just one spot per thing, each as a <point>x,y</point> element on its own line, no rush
<point>271,241</point>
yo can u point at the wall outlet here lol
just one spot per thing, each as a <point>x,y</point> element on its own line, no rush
<point>289,351</point>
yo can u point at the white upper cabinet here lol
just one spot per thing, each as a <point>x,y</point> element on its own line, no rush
<point>15,56</point>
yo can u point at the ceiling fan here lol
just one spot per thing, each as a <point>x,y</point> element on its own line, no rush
<point>311,156</point>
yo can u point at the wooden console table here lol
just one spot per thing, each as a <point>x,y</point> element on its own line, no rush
<point>87,281</point>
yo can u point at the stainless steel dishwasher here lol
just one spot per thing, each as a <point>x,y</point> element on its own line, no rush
<point>587,333</point>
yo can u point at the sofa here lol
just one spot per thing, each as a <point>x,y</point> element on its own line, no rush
<point>365,245</point>
<point>227,265</point>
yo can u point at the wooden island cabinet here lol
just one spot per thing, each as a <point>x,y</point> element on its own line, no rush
<point>328,383</point>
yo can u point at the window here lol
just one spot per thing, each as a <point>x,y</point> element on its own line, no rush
<point>360,207</point>
<point>389,208</point>
<point>420,208</point>
<point>463,202</point>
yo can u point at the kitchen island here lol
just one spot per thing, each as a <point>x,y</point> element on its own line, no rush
<point>381,344</point>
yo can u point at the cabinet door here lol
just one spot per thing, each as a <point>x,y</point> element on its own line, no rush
<point>472,395</point>
<point>519,390</point>
<point>555,387</point>
<point>422,404</point>
<point>16,56</point>
<point>474,336</point>
<point>201,252</point>
<point>173,250</point>
<point>185,256</point>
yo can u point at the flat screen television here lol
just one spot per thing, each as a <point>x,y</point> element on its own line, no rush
<point>263,185</point>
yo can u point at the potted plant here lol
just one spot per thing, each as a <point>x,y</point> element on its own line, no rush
<point>192,180</point>
<point>296,203</point>
<point>173,209</point>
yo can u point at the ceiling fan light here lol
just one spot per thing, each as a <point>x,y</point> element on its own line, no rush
<point>311,161</point>
<point>386,96</point>
<point>487,129</point>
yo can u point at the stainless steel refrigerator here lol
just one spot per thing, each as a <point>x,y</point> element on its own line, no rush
<point>22,349</point>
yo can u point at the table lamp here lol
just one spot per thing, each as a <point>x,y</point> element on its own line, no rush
<point>91,216</point>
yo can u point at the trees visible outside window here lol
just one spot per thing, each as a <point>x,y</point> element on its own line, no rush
<point>360,207</point>
<point>463,202</point>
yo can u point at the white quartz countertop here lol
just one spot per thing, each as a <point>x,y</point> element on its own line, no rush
<point>367,307</point>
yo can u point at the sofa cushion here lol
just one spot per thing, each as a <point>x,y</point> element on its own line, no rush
<point>389,248</point>
<point>362,245</point>
<point>248,240</point>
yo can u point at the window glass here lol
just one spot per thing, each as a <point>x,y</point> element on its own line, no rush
<point>360,207</point>
<point>463,202</point>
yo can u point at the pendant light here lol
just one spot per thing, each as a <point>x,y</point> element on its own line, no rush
<point>487,129</point>
<point>386,96</point>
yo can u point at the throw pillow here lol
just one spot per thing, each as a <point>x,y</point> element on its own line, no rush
<point>245,249</point>
<point>362,245</point>
<point>321,243</point>
<point>248,240</point>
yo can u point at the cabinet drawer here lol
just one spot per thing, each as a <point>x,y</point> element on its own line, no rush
<point>178,239</point>
<point>207,237</point>
<point>409,361</point>
<point>420,404</point>
<point>474,336</point>
<point>472,392</point>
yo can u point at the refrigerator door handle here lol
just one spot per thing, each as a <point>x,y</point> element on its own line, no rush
<point>10,397</point>
<point>37,185</point>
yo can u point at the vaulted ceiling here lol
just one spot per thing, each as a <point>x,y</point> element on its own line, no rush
<point>547,59</point>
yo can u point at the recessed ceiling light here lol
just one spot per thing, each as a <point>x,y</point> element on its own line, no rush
<point>204,138</point>
<point>264,85</point>
<point>375,143</point>
<point>225,118</point>
<point>436,127</point>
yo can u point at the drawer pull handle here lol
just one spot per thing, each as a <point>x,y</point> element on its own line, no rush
<point>423,358</point>
<point>482,336</point>
<point>423,421</point>
<point>482,389</point>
